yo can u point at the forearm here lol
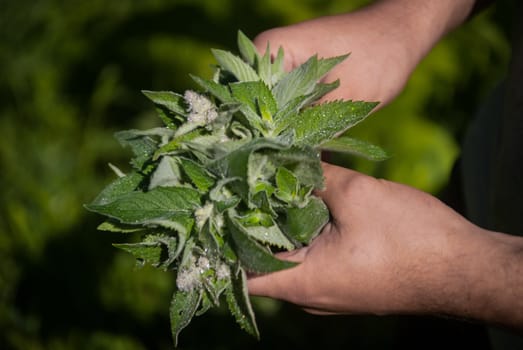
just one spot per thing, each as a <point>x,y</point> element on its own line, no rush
<point>419,25</point>
<point>500,301</point>
<point>483,281</point>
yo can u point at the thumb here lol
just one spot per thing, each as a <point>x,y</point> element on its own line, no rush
<point>282,284</point>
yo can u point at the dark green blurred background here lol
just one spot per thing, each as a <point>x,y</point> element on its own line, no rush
<point>71,72</point>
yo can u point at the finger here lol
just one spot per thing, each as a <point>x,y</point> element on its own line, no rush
<point>319,312</point>
<point>263,41</point>
<point>337,180</point>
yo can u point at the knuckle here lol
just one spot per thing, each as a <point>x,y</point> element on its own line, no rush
<point>359,185</point>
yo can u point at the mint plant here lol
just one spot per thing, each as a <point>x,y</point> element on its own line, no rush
<point>228,179</point>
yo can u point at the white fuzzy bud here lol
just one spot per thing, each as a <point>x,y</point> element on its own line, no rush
<point>223,271</point>
<point>203,263</point>
<point>188,279</point>
<point>201,110</point>
<point>203,214</point>
<point>218,221</point>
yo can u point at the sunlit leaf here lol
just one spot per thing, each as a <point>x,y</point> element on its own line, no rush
<point>198,175</point>
<point>119,187</point>
<point>271,235</point>
<point>159,203</point>
<point>241,70</point>
<point>302,80</point>
<point>318,124</point>
<point>264,66</point>
<point>360,148</point>
<point>247,49</point>
<point>172,101</point>
<point>219,91</point>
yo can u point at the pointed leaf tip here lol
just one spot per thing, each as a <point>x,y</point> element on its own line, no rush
<point>235,65</point>
<point>247,48</point>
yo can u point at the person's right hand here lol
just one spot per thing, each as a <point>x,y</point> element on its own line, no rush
<point>392,249</point>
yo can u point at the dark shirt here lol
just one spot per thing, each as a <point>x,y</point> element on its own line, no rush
<point>492,164</point>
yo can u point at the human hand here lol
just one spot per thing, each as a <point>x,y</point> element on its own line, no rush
<point>386,41</point>
<point>391,249</point>
<point>376,69</point>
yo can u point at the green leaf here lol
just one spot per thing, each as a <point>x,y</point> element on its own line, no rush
<point>143,146</point>
<point>235,163</point>
<point>182,309</point>
<point>256,95</point>
<point>174,246</point>
<point>113,226</point>
<point>158,250</point>
<point>303,224</point>
<point>319,91</point>
<point>303,79</point>
<point>286,182</point>
<point>256,103</point>
<point>198,175</point>
<point>175,143</point>
<point>269,235</point>
<point>219,91</point>
<point>247,49</point>
<point>253,119</point>
<point>255,217</point>
<point>235,65</point>
<point>260,171</point>
<point>222,197</point>
<point>326,64</point>
<point>239,130</point>
<point>203,147</point>
<point>180,221</point>
<point>299,81</point>
<point>216,286</point>
<point>142,207</point>
<point>344,144</point>
<point>172,101</point>
<point>303,162</point>
<point>205,305</point>
<point>318,124</point>
<point>210,238</point>
<point>170,119</point>
<point>253,256</point>
<point>264,67</point>
<point>167,173</point>
<point>118,187</point>
<point>262,200</point>
<point>240,306</point>
<point>287,114</point>
<point>148,253</point>
<point>277,68</point>
<point>289,189</point>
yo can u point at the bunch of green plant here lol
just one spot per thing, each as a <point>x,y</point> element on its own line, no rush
<point>229,179</point>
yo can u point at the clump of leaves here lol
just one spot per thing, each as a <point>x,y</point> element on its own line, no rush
<point>228,180</point>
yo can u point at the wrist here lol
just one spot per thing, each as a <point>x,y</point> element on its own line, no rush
<point>480,279</point>
<point>418,26</point>
<point>497,284</point>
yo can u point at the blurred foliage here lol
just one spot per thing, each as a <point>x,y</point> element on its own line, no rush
<point>71,72</point>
